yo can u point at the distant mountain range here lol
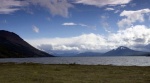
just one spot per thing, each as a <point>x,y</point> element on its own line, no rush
<point>13,46</point>
<point>120,51</point>
<point>89,54</point>
<point>124,51</point>
<point>64,54</point>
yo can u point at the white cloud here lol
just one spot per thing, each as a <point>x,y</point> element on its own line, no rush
<point>55,7</point>
<point>8,11</point>
<point>80,24</point>
<point>83,25</point>
<point>117,11</point>
<point>131,37</point>
<point>69,24</point>
<point>123,6</point>
<point>10,6</point>
<point>100,3</point>
<point>105,24</point>
<point>104,17</point>
<point>130,17</point>
<point>109,9</point>
<point>35,29</point>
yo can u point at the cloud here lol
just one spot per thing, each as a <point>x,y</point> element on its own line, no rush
<point>123,6</point>
<point>117,11</point>
<point>83,25</point>
<point>69,24</point>
<point>101,3</point>
<point>55,7</point>
<point>105,24</point>
<point>132,37</point>
<point>131,17</point>
<point>79,43</point>
<point>80,24</point>
<point>109,9</point>
<point>10,6</point>
<point>119,8</point>
<point>35,29</point>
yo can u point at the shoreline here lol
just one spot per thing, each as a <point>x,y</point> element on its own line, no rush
<point>71,64</point>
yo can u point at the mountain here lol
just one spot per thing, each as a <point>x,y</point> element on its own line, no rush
<point>89,54</point>
<point>65,54</point>
<point>12,46</point>
<point>124,51</point>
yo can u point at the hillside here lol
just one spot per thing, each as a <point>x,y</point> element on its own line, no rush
<point>13,46</point>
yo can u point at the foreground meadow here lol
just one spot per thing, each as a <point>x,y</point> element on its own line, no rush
<point>39,73</point>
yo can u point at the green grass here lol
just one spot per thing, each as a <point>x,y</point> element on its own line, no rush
<point>39,73</point>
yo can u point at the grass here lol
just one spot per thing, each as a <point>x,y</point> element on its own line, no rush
<point>39,73</point>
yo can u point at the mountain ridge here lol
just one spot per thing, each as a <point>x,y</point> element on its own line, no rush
<point>120,51</point>
<point>89,54</point>
<point>13,46</point>
<point>124,51</point>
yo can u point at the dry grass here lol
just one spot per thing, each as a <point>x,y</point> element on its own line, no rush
<point>39,73</point>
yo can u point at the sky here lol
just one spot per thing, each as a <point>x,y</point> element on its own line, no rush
<point>57,26</point>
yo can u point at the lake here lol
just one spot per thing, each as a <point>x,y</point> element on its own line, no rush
<point>118,61</point>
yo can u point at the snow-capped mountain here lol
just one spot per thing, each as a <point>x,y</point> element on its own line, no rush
<point>124,51</point>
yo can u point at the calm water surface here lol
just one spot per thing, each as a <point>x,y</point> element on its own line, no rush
<point>122,61</point>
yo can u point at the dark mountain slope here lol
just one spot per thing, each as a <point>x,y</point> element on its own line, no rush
<point>12,46</point>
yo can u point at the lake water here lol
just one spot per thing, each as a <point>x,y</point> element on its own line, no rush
<point>118,61</point>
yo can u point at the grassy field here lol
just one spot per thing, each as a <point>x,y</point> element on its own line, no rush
<point>38,73</point>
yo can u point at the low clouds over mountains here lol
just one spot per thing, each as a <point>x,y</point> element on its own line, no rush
<point>135,37</point>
